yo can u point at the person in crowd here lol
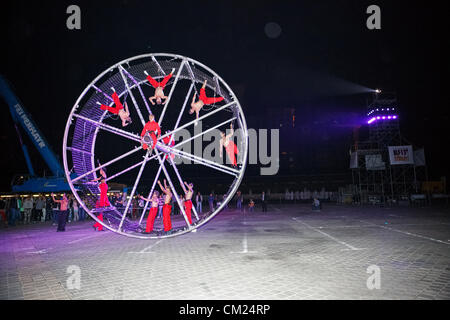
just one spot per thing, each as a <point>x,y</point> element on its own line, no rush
<point>239,200</point>
<point>198,201</point>
<point>263,202</point>
<point>211,202</point>
<point>62,214</point>
<point>28,207</point>
<point>13,211</point>
<point>251,205</point>
<point>316,204</point>
<point>75,210</point>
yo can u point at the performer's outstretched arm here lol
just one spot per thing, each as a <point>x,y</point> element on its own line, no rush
<point>188,186</point>
<point>162,188</point>
<point>182,187</point>
<point>231,132</point>
<point>151,100</point>
<point>141,197</point>
<point>221,147</point>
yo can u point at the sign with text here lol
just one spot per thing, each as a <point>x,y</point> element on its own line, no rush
<point>401,155</point>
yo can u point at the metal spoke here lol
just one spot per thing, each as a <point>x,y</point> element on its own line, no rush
<point>173,189</point>
<point>140,90</point>
<point>158,65</point>
<point>171,92</point>
<point>132,193</point>
<point>98,90</point>
<point>200,159</point>
<point>107,164</point>
<point>112,129</point>
<point>131,95</point>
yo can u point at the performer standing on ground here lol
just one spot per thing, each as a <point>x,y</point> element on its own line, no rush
<point>159,87</point>
<point>103,201</point>
<point>152,212</point>
<point>62,214</point>
<point>123,113</point>
<point>203,100</point>
<point>153,129</point>
<point>229,145</point>
<point>189,192</point>
<point>167,208</point>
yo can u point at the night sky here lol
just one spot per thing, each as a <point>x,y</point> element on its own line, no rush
<point>322,64</point>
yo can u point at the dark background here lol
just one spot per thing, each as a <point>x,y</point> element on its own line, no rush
<point>319,69</point>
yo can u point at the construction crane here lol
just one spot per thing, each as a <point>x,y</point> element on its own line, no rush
<point>31,182</point>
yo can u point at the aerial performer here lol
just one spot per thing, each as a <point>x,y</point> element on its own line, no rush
<point>229,145</point>
<point>167,208</point>
<point>103,201</point>
<point>188,192</point>
<point>123,113</point>
<point>159,88</point>
<point>152,212</point>
<point>203,100</point>
<point>153,129</point>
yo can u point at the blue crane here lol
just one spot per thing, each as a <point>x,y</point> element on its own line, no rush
<point>31,182</point>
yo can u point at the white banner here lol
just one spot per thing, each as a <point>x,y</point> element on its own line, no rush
<point>401,155</point>
<point>375,162</point>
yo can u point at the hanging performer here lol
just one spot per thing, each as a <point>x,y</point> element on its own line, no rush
<point>203,100</point>
<point>123,113</point>
<point>167,208</point>
<point>153,130</point>
<point>229,145</point>
<point>152,212</point>
<point>103,200</point>
<point>159,87</point>
<point>188,199</point>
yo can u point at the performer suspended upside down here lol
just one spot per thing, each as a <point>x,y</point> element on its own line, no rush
<point>152,212</point>
<point>153,129</point>
<point>159,87</point>
<point>203,100</point>
<point>188,197</point>
<point>167,208</point>
<point>123,113</point>
<point>103,200</point>
<point>229,145</point>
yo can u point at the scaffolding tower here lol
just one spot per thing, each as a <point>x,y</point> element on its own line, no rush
<point>375,179</point>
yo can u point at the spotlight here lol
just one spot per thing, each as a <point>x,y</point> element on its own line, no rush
<point>377,90</point>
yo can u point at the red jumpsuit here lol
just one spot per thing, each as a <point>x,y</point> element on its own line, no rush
<point>153,128</point>
<point>102,202</point>
<point>161,84</point>
<point>232,149</point>
<point>151,219</point>
<point>207,100</point>
<point>166,141</point>
<point>167,209</point>
<point>188,208</point>
<point>118,105</point>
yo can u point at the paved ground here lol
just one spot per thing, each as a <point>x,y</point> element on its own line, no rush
<point>287,253</point>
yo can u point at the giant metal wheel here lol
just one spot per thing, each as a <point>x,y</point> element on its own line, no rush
<point>92,135</point>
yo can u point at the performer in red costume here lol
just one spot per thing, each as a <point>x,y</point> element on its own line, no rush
<point>103,201</point>
<point>166,141</point>
<point>123,113</point>
<point>188,199</point>
<point>152,212</point>
<point>204,100</point>
<point>229,145</point>
<point>167,208</point>
<point>159,87</point>
<point>152,127</point>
